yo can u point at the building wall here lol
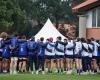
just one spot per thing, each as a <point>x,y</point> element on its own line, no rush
<point>93,32</point>
<point>82,26</point>
<point>85,22</point>
<point>89,19</point>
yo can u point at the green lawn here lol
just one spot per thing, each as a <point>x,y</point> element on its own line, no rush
<point>49,77</point>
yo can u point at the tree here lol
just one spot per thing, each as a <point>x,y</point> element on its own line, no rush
<point>60,11</point>
<point>17,15</point>
<point>5,16</point>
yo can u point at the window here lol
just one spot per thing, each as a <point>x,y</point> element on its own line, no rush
<point>96,17</point>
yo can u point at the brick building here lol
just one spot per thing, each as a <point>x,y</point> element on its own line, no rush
<point>89,18</point>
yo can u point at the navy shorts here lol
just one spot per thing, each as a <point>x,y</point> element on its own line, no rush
<point>94,57</point>
<point>98,59</point>
<point>49,57</point>
<point>23,56</point>
<point>0,54</point>
<point>14,54</point>
<point>0,58</point>
<point>69,56</point>
<point>77,56</point>
<point>59,56</point>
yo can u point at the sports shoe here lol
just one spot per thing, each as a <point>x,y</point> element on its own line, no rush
<point>84,73</point>
<point>37,72</point>
<point>32,72</point>
<point>11,72</point>
<point>68,72</point>
<point>46,69</point>
<point>43,72</point>
<point>15,72</point>
<point>5,71</point>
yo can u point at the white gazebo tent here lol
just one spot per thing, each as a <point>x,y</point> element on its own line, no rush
<point>47,31</point>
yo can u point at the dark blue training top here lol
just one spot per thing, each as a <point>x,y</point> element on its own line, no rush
<point>6,49</point>
<point>32,47</point>
<point>41,51</point>
<point>14,42</point>
<point>23,49</point>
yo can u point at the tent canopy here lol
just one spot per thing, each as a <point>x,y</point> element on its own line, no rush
<point>47,31</point>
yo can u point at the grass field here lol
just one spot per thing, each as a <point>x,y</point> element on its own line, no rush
<point>49,77</point>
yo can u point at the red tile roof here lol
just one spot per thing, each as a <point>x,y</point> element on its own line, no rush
<point>86,5</point>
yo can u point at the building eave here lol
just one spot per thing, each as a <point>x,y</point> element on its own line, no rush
<point>86,6</point>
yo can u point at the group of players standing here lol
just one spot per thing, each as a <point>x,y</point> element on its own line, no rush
<point>18,54</point>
